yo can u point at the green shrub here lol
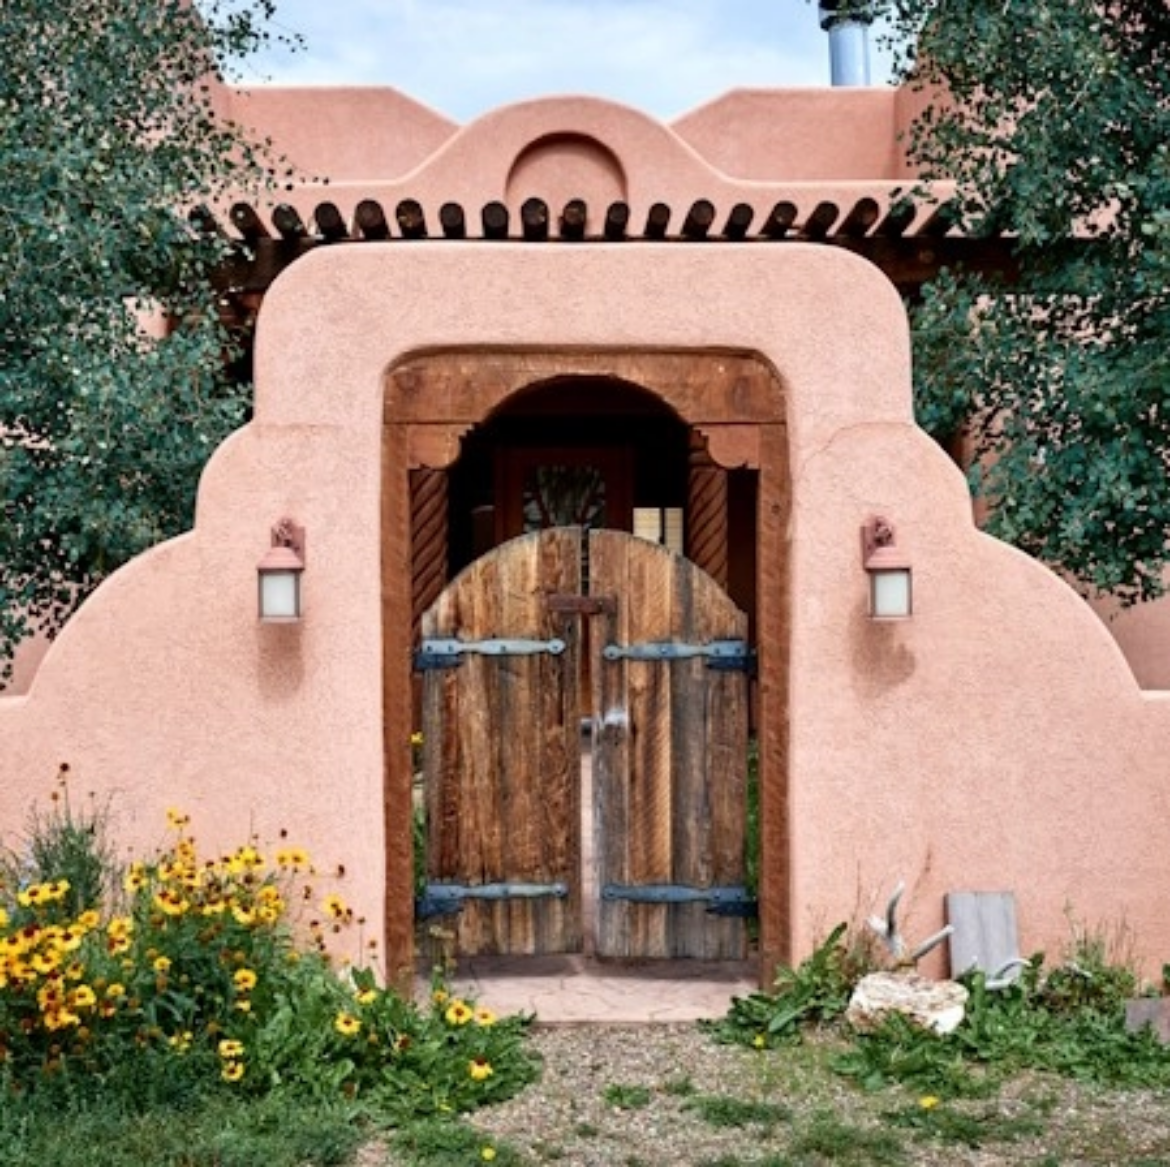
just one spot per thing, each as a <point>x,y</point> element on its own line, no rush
<point>192,981</point>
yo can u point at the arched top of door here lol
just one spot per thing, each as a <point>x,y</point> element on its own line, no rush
<point>727,394</point>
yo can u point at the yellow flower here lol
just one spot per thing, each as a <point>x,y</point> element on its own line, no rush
<point>244,979</point>
<point>3,918</point>
<point>45,962</point>
<point>176,819</point>
<point>488,1154</point>
<point>171,903</point>
<point>42,893</point>
<point>458,1013</point>
<point>346,1024</point>
<point>162,964</point>
<point>82,997</point>
<point>367,996</point>
<point>88,920</point>
<point>246,859</point>
<point>334,907</point>
<point>245,917</point>
<point>136,877</point>
<point>232,1071</point>
<point>479,1069</point>
<point>61,1019</point>
<point>759,1041</point>
<point>292,858</point>
<point>484,1017</point>
<point>115,991</point>
<point>928,1102</point>
<point>229,1049</point>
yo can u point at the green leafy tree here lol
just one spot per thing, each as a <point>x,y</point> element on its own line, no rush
<point>1056,130</point>
<point>109,138</point>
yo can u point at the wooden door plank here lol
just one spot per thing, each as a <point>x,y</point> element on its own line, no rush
<point>502,748</point>
<point>669,789</point>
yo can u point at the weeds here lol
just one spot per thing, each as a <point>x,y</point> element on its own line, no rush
<point>721,1111</point>
<point>627,1097</point>
<point>815,992</point>
<point>930,1119</point>
<point>832,1139</point>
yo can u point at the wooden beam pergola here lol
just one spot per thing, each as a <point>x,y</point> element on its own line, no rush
<point>911,250</point>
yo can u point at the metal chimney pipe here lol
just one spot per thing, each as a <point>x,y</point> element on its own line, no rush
<point>847,23</point>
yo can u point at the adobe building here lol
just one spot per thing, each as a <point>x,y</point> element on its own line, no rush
<point>568,417</point>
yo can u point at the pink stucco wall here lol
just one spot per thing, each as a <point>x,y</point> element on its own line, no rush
<point>363,134</point>
<point>996,740</point>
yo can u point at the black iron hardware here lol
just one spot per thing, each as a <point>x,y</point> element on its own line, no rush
<point>448,653</point>
<point>719,654</point>
<point>445,899</point>
<point>721,901</point>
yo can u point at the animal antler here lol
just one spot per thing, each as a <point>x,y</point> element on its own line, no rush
<point>887,929</point>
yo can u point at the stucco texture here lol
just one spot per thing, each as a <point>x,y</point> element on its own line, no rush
<point>996,740</point>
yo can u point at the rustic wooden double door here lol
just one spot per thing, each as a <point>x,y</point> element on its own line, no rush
<point>523,641</point>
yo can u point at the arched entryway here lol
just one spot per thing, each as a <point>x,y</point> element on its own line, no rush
<point>686,448</point>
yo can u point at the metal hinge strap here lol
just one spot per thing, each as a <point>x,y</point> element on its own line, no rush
<point>448,653</point>
<point>441,899</point>
<point>719,654</point>
<point>722,901</point>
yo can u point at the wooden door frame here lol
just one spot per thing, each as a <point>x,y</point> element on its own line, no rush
<point>737,399</point>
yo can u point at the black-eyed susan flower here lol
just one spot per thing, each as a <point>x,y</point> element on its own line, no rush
<point>82,997</point>
<point>244,979</point>
<point>346,1024</point>
<point>479,1069</point>
<point>458,1013</point>
<point>230,1049</point>
<point>484,1017</point>
<point>232,1071</point>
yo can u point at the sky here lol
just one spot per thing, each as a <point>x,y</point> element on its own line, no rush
<point>465,57</point>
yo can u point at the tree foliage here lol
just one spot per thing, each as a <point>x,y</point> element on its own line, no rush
<point>1057,131</point>
<point>109,136</point>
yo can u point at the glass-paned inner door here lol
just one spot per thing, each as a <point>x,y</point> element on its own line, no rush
<point>563,496</point>
<point>538,488</point>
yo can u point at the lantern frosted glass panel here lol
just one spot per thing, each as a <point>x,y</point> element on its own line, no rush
<point>280,595</point>
<point>890,594</point>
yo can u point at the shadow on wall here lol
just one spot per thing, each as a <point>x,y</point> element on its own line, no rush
<point>879,658</point>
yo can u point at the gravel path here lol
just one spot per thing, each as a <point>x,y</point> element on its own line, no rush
<point>649,1096</point>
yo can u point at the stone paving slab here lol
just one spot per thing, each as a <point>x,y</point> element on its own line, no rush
<point>569,990</point>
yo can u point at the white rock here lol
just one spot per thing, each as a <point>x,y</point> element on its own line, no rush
<point>937,1005</point>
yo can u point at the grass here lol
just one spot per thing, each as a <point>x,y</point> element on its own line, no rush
<point>221,1131</point>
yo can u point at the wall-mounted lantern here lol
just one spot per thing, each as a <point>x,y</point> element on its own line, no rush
<point>279,574</point>
<point>890,590</point>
